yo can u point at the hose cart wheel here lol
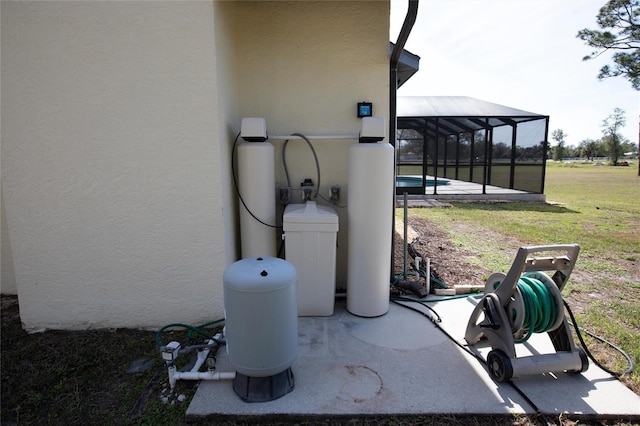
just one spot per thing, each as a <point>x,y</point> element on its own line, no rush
<point>584,359</point>
<point>499,365</point>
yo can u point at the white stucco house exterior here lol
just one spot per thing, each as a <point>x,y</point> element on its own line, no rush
<point>118,119</point>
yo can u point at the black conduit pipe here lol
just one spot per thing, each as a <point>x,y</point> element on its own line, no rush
<point>407,25</point>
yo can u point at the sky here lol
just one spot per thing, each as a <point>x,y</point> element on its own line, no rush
<point>519,53</point>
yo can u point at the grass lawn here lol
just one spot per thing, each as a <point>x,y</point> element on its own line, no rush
<point>597,207</point>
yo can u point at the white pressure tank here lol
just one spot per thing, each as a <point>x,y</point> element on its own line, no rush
<point>256,184</point>
<point>261,326</point>
<point>370,220</point>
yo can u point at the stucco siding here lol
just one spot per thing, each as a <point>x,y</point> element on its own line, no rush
<point>118,121</point>
<point>8,275</point>
<point>111,174</point>
<point>229,119</point>
<point>304,66</point>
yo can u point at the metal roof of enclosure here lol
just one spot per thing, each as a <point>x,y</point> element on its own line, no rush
<point>468,139</point>
<point>459,114</point>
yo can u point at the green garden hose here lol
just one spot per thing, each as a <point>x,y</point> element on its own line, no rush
<point>192,329</point>
<point>540,310</point>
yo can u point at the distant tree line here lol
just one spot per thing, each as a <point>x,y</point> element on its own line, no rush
<point>611,145</point>
<point>411,148</point>
<point>590,149</point>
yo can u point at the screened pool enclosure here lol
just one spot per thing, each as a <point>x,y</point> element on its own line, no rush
<point>444,138</point>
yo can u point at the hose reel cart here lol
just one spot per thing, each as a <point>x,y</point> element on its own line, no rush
<point>524,301</point>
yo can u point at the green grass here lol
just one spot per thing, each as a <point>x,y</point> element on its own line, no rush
<point>80,377</point>
<point>597,207</point>
<point>620,322</point>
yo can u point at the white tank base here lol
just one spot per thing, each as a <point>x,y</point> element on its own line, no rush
<point>263,389</point>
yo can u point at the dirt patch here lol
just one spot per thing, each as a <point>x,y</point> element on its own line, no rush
<point>457,264</point>
<point>73,377</point>
<point>449,261</point>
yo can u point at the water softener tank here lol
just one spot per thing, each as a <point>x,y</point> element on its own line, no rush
<point>256,184</point>
<point>370,220</point>
<point>261,320</point>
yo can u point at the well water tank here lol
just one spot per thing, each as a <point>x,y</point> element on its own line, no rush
<point>256,184</point>
<point>261,320</point>
<point>370,220</point>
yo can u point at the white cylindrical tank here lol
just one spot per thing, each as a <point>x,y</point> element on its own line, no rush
<point>261,315</point>
<point>257,183</point>
<point>370,219</point>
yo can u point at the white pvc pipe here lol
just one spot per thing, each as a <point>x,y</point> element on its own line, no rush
<point>285,137</point>
<point>428,278</point>
<point>204,375</point>
<point>175,375</point>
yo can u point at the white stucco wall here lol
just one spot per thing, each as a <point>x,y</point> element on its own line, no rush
<point>229,119</point>
<point>118,120</point>
<point>304,66</point>
<point>110,164</point>
<point>7,274</point>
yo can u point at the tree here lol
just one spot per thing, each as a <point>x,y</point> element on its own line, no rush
<point>620,24</point>
<point>611,138</point>
<point>571,151</point>
<point>558,135</point>
<point>589,148</point>
<point>628,146</point>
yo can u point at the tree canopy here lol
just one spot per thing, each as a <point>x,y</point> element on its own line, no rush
<point>559,136</point>
<point>619,21</point>
<point>612,139</point>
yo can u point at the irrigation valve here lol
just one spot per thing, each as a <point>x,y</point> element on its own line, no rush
<point>170,352</point>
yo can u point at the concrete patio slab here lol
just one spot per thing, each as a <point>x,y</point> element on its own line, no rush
<point>401,363</point>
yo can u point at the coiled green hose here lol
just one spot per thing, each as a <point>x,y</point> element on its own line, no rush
<point>540,310</point>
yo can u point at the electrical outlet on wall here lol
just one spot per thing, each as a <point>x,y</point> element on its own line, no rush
<point>284,195</point>
<point>334,193</point>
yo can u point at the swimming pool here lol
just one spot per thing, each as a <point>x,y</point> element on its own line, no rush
<point>416,181</point>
